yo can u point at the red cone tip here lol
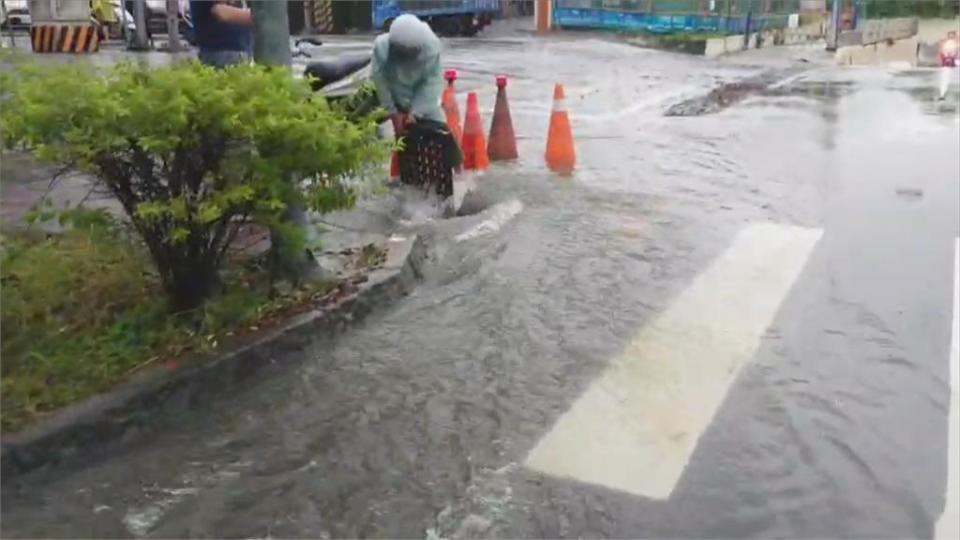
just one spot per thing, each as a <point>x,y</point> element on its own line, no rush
<point>450,75</point>
<point>501,81</point>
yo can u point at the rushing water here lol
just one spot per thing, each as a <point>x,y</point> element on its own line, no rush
<point>414,424</point>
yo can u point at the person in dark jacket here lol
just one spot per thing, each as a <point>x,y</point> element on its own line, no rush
<point>223,32</point>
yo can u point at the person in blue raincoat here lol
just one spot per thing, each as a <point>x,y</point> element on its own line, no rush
<point>408,77</point>
<point>407,73</point>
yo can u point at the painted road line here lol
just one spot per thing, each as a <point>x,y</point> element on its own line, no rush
<point>948,526</point>
<point>635,428</point>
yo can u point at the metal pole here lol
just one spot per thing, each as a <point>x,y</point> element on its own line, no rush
<point>271,33</point>
<point>271,47</point>
<point>173,26</point>
<point>141,42</point>
<point>833,36</point>
<point>3,16</point>
<point>123,22</point>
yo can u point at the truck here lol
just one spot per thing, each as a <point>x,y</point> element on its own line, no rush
<point>446,17</point>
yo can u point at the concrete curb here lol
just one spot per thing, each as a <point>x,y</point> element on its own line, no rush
<point>132,406</point>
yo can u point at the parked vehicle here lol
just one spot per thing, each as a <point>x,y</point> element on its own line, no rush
<point>156,16</point>
<point>17,19</point>
<point>446,17</point>
<point>336,78</point>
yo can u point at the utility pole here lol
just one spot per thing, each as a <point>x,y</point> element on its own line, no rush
<point>173,26</point>
<point>3,16</point>
<point>271,47</point>
<point>833,35</point>
<point>271,33</point>
<point>140,42</point>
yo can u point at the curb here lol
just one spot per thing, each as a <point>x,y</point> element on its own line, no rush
<point>132,406</point>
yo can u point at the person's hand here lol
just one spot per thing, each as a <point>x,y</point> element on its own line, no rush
<point>399,122</point>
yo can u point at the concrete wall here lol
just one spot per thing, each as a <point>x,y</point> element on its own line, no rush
<point>877,30</point>
<point>59,11</point>
<point>932,30</point>
<point>879,41</point>
<point>900,51</point>
<point>768,38</point>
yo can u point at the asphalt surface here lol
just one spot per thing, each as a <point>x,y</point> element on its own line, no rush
<point>726,325</point>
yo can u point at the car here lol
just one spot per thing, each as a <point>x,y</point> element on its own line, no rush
<point>17,18</point>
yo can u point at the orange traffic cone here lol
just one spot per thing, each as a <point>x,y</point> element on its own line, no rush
<point>449,103</point>
<point>503,143</point>
<point>474,145</point>
<point>561,155</point>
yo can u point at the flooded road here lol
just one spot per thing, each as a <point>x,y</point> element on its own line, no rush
<point>730,325</point>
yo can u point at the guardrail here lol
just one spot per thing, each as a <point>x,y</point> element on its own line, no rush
<point>667,16</point>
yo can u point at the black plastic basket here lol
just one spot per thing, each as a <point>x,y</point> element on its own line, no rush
<point>428,160</point>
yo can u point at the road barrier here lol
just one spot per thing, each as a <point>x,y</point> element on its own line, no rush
<point>668,16</point>
<point>474,144</point>
<point>478,151</point>
<point>65,38</point>
<point>561,155</point>
<point>321,16</point>
<point>449,103</point>
<point>503,142</point>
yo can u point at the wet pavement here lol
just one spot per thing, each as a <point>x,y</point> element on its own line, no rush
<point>724,325</point>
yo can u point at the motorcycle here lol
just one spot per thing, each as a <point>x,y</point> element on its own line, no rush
<point>336,78</point>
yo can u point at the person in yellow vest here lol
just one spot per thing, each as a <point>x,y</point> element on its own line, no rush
<point>103,13</point>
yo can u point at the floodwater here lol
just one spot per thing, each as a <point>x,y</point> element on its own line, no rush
<point>418,423</point>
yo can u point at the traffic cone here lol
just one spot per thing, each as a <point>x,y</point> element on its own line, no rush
<point>394,166</point>
<point>503,143</point>
<point>474,145</point>
<point>449,103</point>
<point>561,155</point>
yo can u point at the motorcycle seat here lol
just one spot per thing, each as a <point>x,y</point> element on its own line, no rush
<point>325,72</point>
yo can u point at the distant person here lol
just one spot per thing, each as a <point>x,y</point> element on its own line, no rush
<point>407,73</point>
<point>223,32</point>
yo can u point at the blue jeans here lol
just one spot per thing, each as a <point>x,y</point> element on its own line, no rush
<point>221,59</point>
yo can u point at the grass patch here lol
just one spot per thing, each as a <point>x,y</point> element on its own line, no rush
<point>83,310</point>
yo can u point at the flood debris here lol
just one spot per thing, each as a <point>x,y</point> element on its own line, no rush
<point>729,93</point>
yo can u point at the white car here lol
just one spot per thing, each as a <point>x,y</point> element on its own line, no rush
<point>17,18</point>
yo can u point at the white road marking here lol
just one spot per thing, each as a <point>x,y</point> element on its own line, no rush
<point>948,526</point>
<point>635,428</point>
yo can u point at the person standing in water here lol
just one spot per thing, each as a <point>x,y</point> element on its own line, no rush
<point>407,73</point>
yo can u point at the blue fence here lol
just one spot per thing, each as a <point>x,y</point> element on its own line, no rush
<point>384,10</point>
<point>668,16</point>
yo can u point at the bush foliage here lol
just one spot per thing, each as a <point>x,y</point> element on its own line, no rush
<point>84,309</point>
<point>190,152</point>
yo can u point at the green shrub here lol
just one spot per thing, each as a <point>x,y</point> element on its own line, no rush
<point>83,309</point>
<point>190,151</point>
